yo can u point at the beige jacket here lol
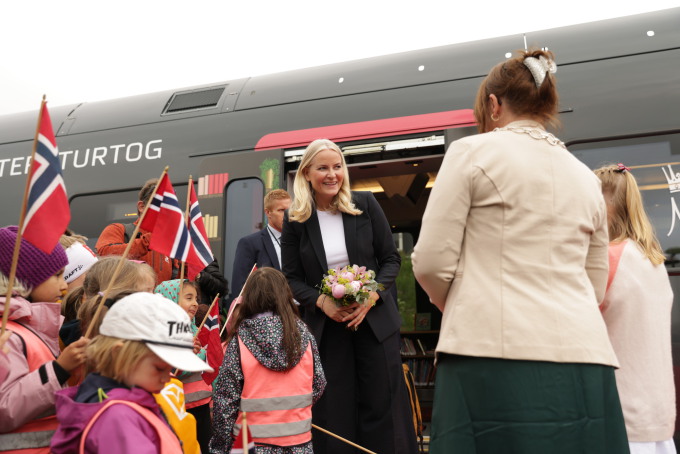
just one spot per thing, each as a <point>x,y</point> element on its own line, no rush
<point>513,250</point>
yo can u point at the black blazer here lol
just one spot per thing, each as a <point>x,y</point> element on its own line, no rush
<point>256,248</point>
<point>369,243</point>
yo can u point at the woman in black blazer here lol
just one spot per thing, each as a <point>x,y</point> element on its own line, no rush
<point>365,400</point>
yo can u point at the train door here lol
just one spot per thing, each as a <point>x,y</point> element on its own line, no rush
<point>230,191</point>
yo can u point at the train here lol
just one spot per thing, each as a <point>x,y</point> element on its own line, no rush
<point>393,116</point>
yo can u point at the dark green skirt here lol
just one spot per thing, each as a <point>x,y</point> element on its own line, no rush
<point>499,406</point>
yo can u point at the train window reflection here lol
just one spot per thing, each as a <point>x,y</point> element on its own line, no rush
<point>655,162</point>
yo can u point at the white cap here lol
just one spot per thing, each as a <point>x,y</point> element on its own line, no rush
<point>158,322</point>
<point>80,259</point>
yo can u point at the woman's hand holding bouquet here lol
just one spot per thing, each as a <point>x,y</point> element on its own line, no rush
<point>347,294</point>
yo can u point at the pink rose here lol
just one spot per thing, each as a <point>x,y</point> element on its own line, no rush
<point>349,276</point>
<point>356,286</point>
<point>338,291</point>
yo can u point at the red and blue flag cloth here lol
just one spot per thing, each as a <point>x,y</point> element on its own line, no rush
<point>201,252</point>
<point>243,442</point>
<point>165,220</point>
<point>209,337</point>
<point>47,211</point>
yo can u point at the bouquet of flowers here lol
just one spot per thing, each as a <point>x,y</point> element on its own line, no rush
<point>349,284</point>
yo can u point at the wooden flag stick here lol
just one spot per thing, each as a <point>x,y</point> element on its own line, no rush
<point>244,428</point>
<point>207,314</point>
<point>22,217</point>
<point>342,439</point>
<point>233,306</point>
<point>186,222</point>
<point>123,257</point>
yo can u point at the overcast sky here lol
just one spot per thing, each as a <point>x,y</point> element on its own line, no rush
<point>85,50</point>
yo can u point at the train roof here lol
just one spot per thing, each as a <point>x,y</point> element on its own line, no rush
<point>592,41</point>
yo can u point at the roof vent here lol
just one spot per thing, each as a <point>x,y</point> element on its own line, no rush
<point>194,100</point>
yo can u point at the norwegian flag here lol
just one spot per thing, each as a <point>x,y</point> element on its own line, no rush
<point>200,252</point>
<point>47,210</point>
<point>165,220</point>
<point>243,443</point>
<point>209,337</point>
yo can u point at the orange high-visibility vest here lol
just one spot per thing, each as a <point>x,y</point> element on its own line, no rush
<point>169,444</point>
<point>196,390</point>
<point>279,404</point>
<point>34,436</point>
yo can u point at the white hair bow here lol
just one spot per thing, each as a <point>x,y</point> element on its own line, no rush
<point>539,67</point>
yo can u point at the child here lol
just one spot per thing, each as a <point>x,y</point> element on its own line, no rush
<point>197,392</point>
<point>142,338</point>
<point>34,372</point>
<point>637,311</point>
<point>80,258</point>
<point>271,370</point>
<point>132,276</point>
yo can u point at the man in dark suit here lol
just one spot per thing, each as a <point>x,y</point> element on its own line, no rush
<point>261,248</point>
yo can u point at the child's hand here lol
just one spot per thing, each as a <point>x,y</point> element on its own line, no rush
<point>73,355</point>
<point>197,345</point>
<point>3,341</point>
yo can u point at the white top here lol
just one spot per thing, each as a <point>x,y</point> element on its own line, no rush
<point>333,235</point>
<point>275,235</point>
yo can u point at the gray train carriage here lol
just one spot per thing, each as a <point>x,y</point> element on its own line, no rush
<point>393,116</point>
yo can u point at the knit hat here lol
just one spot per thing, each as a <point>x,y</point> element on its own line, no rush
<point>80,259</point>
<point>34,266</point>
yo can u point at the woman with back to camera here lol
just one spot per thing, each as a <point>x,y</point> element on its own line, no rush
<point>513,250</point>
<point>637,311</point>
<point>327,226</point>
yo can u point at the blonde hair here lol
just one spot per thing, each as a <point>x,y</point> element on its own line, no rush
<point>512,83</point>
<point>98,279</point>
<point>69,238</point>
<point>628,218</point>
<point>273,196</point>
<point>303,204</point>
<point>19,287</point>
<point>115,358</point>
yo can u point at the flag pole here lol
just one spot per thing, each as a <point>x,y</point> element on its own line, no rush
<point>123,257</point>
<point>342,439</point>
<point>244,428</point>
<point>22,217</point>
<point>186,221</point>
<point>233,306</point>
<point>206,315</point>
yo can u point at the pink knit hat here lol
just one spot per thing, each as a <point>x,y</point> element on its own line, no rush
<point>34,266</point>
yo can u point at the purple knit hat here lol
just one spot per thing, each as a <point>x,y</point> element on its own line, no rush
<point>34,266</point>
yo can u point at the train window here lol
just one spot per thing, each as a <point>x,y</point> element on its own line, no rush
<point>244,214</point>
<point>90,213</point>
<point>194,100</point>
<point>655,162</point>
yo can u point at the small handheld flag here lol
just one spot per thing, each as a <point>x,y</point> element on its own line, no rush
<point>243,443</point>
<point>200,254</point>
<point>209,337</point>
<point>47,211</point>
<point>165,219</point>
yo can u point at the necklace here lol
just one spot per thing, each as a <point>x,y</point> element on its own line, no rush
<point>534,133</point>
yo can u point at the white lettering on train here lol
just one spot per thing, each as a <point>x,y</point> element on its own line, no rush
<point>673,187</point>
<point>90,157</point>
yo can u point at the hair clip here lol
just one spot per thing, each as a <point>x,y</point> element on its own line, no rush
<point>622,168</point>
<point>101,294</point>
<point>539,68</point>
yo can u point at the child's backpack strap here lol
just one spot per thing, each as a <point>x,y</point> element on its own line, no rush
<point>168,441</point>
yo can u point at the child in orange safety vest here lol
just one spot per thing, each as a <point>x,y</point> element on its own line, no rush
<point>271,371</point>
<point>142,338</point>
<point>33,368</point>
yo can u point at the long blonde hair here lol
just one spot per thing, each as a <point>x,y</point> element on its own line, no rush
<point>303,204</point>
<point>115,358</point>
<point>628,218</point>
